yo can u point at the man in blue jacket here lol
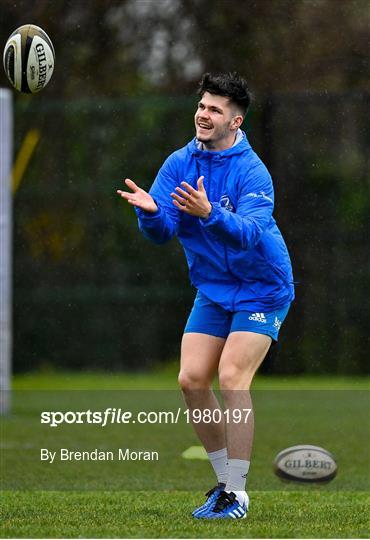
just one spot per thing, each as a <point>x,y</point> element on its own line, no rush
<point>216,196</point>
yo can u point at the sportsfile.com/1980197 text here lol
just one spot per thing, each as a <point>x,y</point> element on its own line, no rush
<point>113,415</point>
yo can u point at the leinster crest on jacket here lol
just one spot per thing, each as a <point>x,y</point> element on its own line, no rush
<point>226,203</point>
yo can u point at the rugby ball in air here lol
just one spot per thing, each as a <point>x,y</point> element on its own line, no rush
<point>29,59</point>
<point>305,463</point>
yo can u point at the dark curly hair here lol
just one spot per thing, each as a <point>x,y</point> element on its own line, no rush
<point>230,85</point>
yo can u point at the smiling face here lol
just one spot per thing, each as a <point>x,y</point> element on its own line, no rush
<point>216,122</point>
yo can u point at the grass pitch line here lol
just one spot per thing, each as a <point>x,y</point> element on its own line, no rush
<point>16,446</point>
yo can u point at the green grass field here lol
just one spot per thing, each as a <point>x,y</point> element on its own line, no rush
<point>138,501</point>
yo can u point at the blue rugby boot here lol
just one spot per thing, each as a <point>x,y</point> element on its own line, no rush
<point>227,506</point>
<point>212,496</point>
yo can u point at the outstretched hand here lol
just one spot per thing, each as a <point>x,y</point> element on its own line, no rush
<point>138,197</point>
<point>192,201</point>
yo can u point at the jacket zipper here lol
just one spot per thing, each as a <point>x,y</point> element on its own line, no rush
<point>225,251</point>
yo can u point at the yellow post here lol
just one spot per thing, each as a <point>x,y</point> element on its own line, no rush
<point>24,156</point>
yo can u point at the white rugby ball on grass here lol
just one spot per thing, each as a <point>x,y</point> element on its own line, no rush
<point>305,463</point>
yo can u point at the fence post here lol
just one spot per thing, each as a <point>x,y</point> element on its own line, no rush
<point>6,143</point>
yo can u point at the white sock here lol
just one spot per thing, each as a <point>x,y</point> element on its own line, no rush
<point>237,475</point>
<point>218,461</point>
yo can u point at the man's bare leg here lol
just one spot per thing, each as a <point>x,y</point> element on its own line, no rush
<point>242,355</point>
<point>200,356</point>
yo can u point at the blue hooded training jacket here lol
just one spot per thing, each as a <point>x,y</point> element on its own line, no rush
<point>237,257</point>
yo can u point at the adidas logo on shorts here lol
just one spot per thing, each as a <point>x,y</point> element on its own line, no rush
<point>259,317</point>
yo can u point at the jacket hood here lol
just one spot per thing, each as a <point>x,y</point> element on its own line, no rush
<point>238,148</point>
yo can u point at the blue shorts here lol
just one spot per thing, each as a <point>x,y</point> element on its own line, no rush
<point>206,317</point>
